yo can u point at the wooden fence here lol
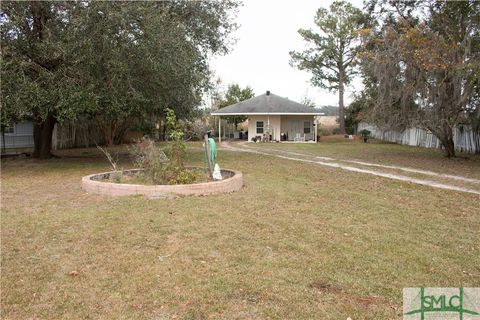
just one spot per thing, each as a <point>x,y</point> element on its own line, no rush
<point>77,134</point>
<point>465,139</point>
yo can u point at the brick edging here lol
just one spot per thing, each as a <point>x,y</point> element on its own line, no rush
<point>231,184</point>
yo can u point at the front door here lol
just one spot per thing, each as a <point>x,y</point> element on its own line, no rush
<point>297,129</point>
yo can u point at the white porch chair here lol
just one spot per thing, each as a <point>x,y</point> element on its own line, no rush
<point>299,137</point>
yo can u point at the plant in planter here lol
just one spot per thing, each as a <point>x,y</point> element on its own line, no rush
<point>165,166</point>
<point>176,149</point>
<point>151,159</point>
<point>116,175</point>
<point>365,135</point>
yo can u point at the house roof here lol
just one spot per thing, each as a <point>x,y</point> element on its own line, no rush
<point>267,104</point>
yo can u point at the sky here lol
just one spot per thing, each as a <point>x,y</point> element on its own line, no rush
<point>260,58</point>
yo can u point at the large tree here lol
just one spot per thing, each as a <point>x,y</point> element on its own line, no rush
<point>235,94</point>
<point>155,57</point>
<point>112,60</point>
<point>425,66</point>
<point>332,52</point>
<point>37,79</point>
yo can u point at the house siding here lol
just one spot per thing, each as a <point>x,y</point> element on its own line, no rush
<point>282,124</point>
<point>274,125</point>
<point>22,137</point>
<point>295,124</point>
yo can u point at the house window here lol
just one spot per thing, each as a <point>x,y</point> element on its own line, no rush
<point>259,126</point>
<point>9,129</point>
<point>306,127</point>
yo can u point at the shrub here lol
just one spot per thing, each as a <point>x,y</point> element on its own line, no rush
<point>336,131</point>
<point>176,148</point>
<point>349,130</point>
<point>164,166</point>
<point>325,131</point>
<point>365,134</point>
<point>150,158</point>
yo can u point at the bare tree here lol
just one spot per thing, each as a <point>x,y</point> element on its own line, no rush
<point>427,73</point>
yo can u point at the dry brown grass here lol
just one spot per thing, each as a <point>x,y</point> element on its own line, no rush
<point>298,242</point>
<point>376,151</point>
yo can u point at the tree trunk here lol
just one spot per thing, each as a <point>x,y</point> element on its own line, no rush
<point>38,15</point>
<point>447,141</point>
<point>108,128</point>
<point>3,140</point>
<point>445,135</point>
<point>109,133</point>
<point>164,131</point>
<point>449,147</point>
<point>341,108</point>
<point>121,130</point>
<point>42,138</point>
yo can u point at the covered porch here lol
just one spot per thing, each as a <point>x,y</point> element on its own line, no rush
<point>274,118</point>
<point>283,128</point>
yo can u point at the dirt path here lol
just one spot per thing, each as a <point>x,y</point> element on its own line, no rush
<point>355,166</point>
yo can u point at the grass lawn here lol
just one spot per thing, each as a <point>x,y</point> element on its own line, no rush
<point>376,151</point>
<point>298,242</point>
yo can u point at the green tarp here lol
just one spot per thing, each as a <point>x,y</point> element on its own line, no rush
<point>213,152</point>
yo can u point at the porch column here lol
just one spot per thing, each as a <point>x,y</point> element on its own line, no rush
<point>316,127</point>
<point>219,129</point>
<point>268,128</point>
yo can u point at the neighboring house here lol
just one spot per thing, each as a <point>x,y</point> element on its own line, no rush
<point>65,135</point>
<point>17,136</point>
<point>273,118</point>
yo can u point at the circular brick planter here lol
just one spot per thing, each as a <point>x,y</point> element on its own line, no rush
<point>233,181</point>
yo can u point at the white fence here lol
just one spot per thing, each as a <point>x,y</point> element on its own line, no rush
<point>465,139</point>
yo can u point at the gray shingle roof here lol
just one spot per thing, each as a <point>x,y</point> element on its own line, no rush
<point>266,104</point>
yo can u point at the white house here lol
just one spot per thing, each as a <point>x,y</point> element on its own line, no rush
<point>18,135</point>
<point>274,118</point>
